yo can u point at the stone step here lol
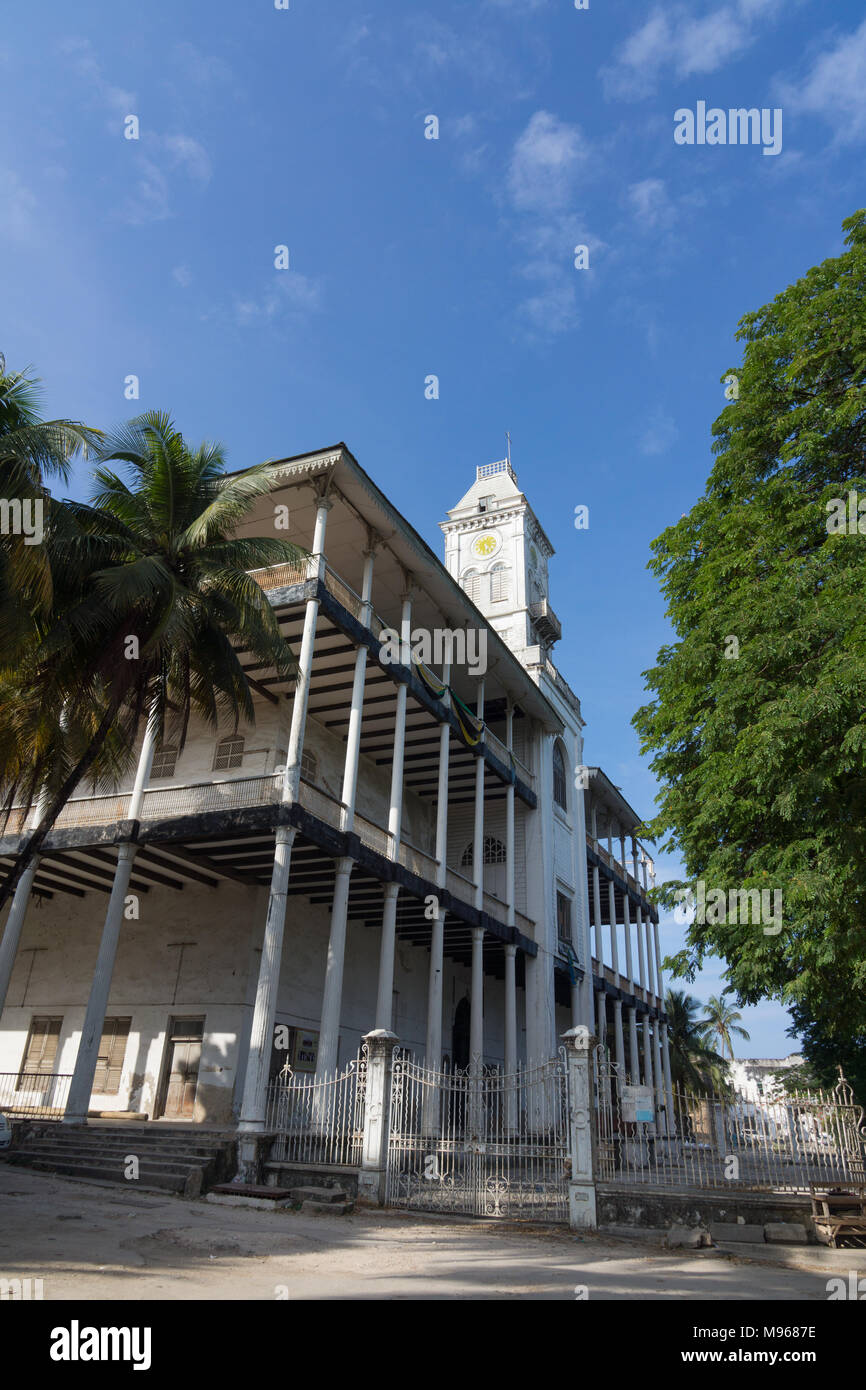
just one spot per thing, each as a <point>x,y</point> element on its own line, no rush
<point>170,1160</point>
<point>310,1208</point>
<point>324,1195</point>
<point>92,1144</point>
<point>169,1182</point>
<point>111,1164</point>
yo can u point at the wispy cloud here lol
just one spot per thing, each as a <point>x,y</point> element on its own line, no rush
<point>834,88</point>
<point>674,39</point>
<point>289,296</point>
<point>156,157</point>
<point>547,163</point>
<point>651,204</point>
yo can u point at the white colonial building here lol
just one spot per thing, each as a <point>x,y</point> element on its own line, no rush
<point>408,838</point>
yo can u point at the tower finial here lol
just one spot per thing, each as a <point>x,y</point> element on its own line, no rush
<point>508,446</point>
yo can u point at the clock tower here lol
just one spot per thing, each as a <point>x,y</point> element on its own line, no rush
<point>497,551</point>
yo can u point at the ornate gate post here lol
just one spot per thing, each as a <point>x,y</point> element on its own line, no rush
<point>579,1043</point>
<point>374,1161</point>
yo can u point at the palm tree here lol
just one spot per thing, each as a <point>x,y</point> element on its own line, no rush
<point>32,451</point>
<point>156,609</point>
<point>694,1063</point>
<point>722,1021</point>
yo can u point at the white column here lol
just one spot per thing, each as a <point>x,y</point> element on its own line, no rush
<point>648,1078</point>
<point>641,957</point>
<point>633,1054</point>
<point>332,995</point>
<point>509,823</point>
<point>626,919</point>
<point>442,789</point>
<point>395,814</point>
<point>596,896</point>
<point>254,1101</point>
<point>611,902</point>
<point>619,1040</point>
<point>669,1090</point>
<point>353,738</point>
<point>659,1077</point>
<point>81,1085</point>
<point>510,1035</point>
<point>292,775</point>
<point>601,1026</point>
<point>433,1052</point>
<point>14,926</point>
<point>385,996</point>
<point>476,1010</point>
<point>478,837</point>
<point>661,988</point>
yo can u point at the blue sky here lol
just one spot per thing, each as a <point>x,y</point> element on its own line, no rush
<point>411,256</point>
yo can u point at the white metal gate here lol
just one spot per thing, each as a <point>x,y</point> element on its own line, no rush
<point>490,1144</point>
<point>319,1119</point>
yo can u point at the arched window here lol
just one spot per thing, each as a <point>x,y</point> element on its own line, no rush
<point>494,852</point>
<point>164,761</point>
<point>499,584</point>
<point>229,753</point>
<point>560,782</point>
<point>472,585</point>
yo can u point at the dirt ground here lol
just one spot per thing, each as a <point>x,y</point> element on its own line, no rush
<point>93,1241</point>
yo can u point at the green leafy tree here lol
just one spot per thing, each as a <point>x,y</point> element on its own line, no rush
<point>157,610</point>
<point>757,728</point>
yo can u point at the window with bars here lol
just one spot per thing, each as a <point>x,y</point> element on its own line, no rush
<point>164,761</point>
<point>229,753</point>
<point>500,586</point>
<point>109,1061</point>
<point>560,782</point>
<point>494,852</point>
<point>563,917</point>
<point>309,765</point>
<point>41,1050</point>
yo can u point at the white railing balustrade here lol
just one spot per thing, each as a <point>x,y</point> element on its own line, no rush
<point>34,1096</point>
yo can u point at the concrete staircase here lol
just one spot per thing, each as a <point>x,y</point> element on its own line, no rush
<point>185,1161</point>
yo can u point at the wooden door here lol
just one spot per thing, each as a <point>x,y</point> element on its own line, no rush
<point>181,1068</point>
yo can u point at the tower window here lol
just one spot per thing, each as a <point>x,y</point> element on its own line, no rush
<point>472,585</point>
<point>560,784</point>
<point>499,585</point>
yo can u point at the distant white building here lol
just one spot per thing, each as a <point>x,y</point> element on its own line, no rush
<point>758,1078</point>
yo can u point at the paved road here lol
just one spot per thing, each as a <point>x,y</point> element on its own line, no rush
<point>88,1241</point>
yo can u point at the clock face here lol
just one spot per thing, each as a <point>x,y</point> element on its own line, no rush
<point>486,545</point>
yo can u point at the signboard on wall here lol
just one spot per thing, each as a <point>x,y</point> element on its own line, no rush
<point>637,1104</point>
<point>305,1049</point>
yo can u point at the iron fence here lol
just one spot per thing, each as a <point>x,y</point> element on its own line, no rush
<point>721,1139</point>
<point>319,1119</point>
